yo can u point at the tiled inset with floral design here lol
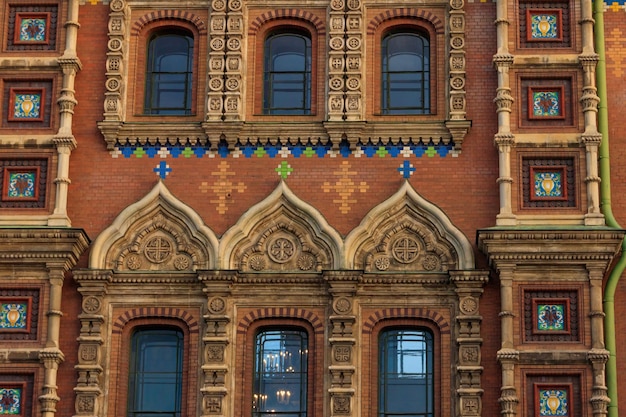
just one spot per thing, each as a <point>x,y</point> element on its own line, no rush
<point>26,104</point>
<point>549,183</point>
<point>32,28</point>
<point>546,103</point>
<point>20,184</point>
<point>544,25</point>
<point>553,400</point>
<point>15,314</point>
<point>11,397</point>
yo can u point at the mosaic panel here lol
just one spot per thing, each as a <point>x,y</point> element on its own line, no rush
<point>19,314</point>
<point>24,183</point>
<point>548,183</point>
<point>11,398</point>
<point>32,27</point>
<point>553,400</point>
<point>546,103</point>
<point>26,104</point>
<point>20,184</point>
<point>551,316</point>
<point>15,314</point>
<point>545,24</point>
<point>16,394</point>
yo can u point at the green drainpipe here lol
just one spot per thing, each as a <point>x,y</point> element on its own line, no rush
<point>605,188</point>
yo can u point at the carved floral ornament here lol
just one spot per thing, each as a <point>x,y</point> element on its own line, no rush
<point>281,252</point>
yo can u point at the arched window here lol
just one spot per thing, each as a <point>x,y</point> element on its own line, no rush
<point>405,73</point>
<point>169,74</point>
<point>406,379</point>
<point>156,372</point>
<point>280,373</point>
<point>287,74</point>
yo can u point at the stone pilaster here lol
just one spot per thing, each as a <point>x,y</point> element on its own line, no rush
<point>336,61</point>
<point>342,340</point>
<point>469,288</point>
<point>89,389</point>
<point>354,60</point>
<point>216,352</point>
<point>234,44</point>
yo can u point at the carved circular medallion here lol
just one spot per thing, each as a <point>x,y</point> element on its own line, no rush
<point>305,262</point>
<point>430,263</point>
<point>404,250</point>
<point>91,305</point>
<point>216,305</point>
<point>342,305</point>
<point>382,263</point>
<point>257,262</point>
<point>219,5</point>
<point>281,250</point>
<point>354,4</point>
<point>468,305</point>
<point>133,262</point>
<point>158,249</point>
<point>117,5</point>
<point>88,353</point>
<point>114,45</point>
<point>234,4</point>
<point>181,263</point>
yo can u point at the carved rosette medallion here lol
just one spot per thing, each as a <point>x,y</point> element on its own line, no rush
<point>216,305</point>
<point>133,262</point>
<point>342,353</point>
<point>468,305</point>
<point>305,262</point>
<point>431,263</point>
<point>91,305</point>
<point>257,262</point>
<point>342,305</point>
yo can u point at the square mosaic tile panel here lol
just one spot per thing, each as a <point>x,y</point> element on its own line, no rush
<point>24,183</point>
<point>544,25</point>
<point>551,316</point>
<point>19,314</point>
<point>32,27</point>
<point>11,399</point>
<point>546,103</point>
<point>552,400</point>
<point>26,104</point>
<point>548,182</point>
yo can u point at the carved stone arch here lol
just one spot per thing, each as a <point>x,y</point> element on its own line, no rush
<point>159,232</point>
<point>424,15</point>
<point>181,15</point>
<point>281,233</point>
<point>405,312</point>
<point>292,13</point>
<point>408,233</point>
<point>281,312</point>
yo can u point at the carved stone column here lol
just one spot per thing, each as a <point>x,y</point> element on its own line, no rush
<point>507,355</point>
<point>342,341</point>
<point>216,353</point>
<point>469,288</point>
<point>598,355</point>
<point>89,389</point>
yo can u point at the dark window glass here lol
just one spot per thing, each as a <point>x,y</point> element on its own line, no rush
<point>406,381</point>
<point>280,374</point>
<point>405,74</point>
<point>287,74</point>
<point>156,373</point>
<point>169,74</point>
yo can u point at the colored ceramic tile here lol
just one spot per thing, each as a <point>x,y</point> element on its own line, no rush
<point>544,25</point>
<point>26,104</point>
<point>14,316</point>
<point>32,28</point>
<point>546,104</point>
<point>10,400</point>
<point>548,184</point>
<point>551,317</point>
<point>553,402</point>
<point>20,184</point>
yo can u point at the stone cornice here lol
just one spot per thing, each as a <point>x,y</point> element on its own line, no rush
<point>560,246</point>
<point>42,246</point>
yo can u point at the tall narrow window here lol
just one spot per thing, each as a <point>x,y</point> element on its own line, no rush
<point>405,74</point>
<point>406,381</point>
<point>169,74</point>
<point>280,374</point>
<point>156,373</point>
<point>287,74</point>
